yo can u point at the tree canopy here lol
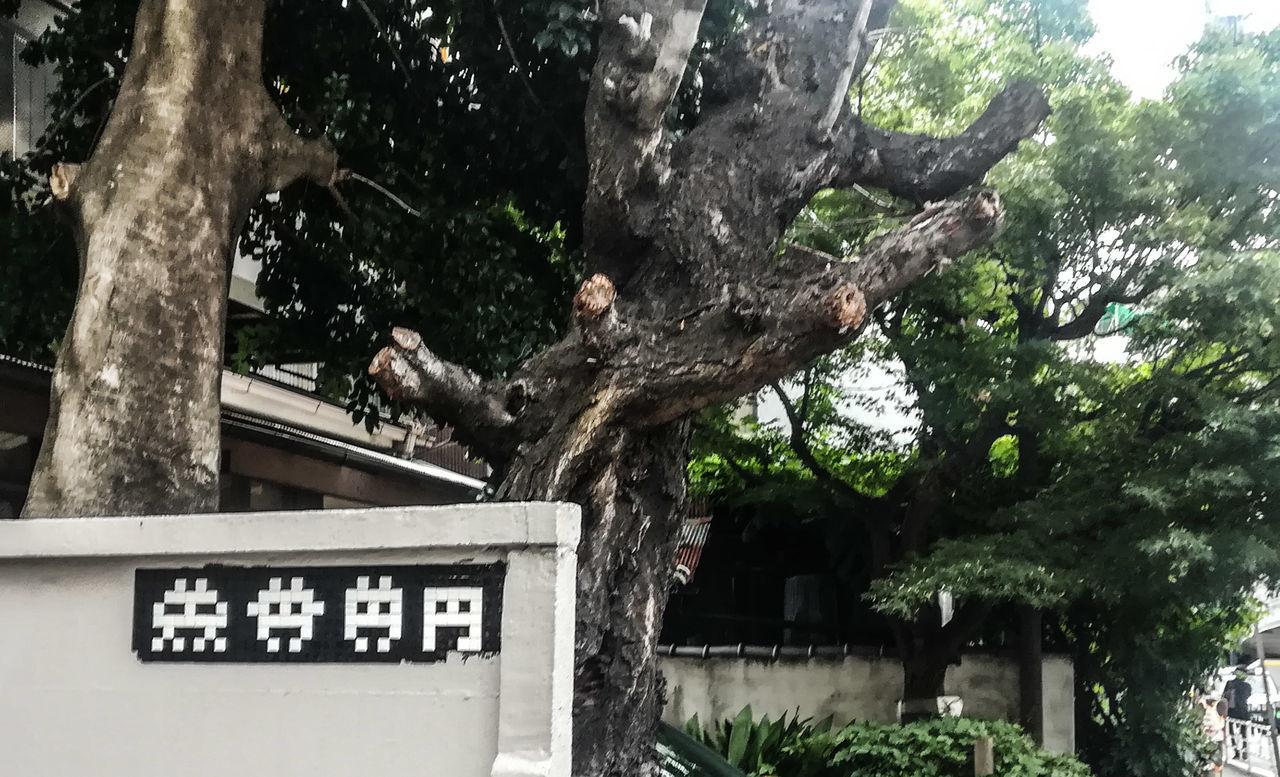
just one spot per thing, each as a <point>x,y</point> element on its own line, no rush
<point>469,114</point>
<point>704,131</point>
<point>1131,493</point>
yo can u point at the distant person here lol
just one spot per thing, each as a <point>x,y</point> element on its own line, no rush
<point>1237,692</point>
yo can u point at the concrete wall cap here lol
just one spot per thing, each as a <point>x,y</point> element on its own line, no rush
<point>489,525</point>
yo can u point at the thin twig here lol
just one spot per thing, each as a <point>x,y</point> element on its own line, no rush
<point>382,33</point>
<point>872,198</point>
<point>48,136</point>
<point>524,76</point>
<point>381,190</point>
<point>515,61</point>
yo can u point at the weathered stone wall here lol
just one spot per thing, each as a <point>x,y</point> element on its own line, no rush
<point>858,688</point>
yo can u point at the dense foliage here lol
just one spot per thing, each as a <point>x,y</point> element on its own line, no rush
<point>418,98</point>
<point>990,444</point>
<point>1131,496</point>
<point>936,748</point>
<point>468,116</point>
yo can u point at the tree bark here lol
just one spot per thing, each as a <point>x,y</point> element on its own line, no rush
<point>600,419</point>
<point>193,140</point>
<point>690,302</point>
<point>1031,672</point>
<point>927,648</point>
<point>924,677</point>
<point>633,497</point>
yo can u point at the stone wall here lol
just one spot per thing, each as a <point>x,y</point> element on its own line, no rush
<point>858,688</point>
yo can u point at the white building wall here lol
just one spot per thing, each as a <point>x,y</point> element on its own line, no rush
<point>24,90</point>
<point>83,694</point>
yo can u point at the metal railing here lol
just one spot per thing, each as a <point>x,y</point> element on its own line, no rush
<point>768,652</point>
<point>1248,746</point>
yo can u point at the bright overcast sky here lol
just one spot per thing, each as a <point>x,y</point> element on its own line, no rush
<point>1144,36</point>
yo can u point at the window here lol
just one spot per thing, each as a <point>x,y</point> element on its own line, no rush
<point>24,92</point>
<point>8,48</point>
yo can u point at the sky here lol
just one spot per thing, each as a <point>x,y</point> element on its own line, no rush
<point>1144,36</point>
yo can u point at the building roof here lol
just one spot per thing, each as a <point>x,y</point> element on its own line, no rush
<point>259,407</point>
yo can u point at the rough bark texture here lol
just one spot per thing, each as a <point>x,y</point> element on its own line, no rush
<point>690,302</point>
<point>193,140</point>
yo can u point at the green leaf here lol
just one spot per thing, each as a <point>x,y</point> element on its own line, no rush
<point>739,737</point>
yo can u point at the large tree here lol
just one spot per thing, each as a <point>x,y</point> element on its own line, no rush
<point>484,166</point>
<point>964,349</point>
<point>192,143</point>
<point>1128,496</point>
<point>693,296</point>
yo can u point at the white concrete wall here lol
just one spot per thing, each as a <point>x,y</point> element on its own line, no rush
<point>76,700</point>
<point>858,688</point>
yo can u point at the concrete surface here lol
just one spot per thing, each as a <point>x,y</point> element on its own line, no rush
<point>858,688</point>
<point>76,699</point>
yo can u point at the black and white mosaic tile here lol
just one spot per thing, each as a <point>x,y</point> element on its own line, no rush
<point>317,614</point>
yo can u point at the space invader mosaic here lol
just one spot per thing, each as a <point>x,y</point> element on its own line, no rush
<point>374,613</point>
<point>190,611</point>
<point>456,608</point>
<point>290,611</point>
<point>317,614</point>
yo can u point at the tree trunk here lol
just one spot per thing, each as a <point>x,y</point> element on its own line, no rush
<point>601,419</point>
<point>193,140</point>
<point>923,681</point>
<point>1031,672</point>
<point>927,648</point>
<point>632,494</point>
<point>691,301</point>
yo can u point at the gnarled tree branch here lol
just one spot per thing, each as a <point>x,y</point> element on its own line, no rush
<point>838,102</point>
<point>776,128</point>
<point>922,168</point>
<point>409,372</point>
<point>643,53</point>
<point>740,345</point>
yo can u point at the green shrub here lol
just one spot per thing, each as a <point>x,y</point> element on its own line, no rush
<point>942,748</point>
<point>794,748</point>
<point>935,748</point>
